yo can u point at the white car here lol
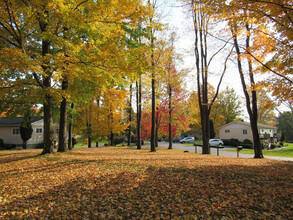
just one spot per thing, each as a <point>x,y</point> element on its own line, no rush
<point>187,140</point>
<point>216,142</point>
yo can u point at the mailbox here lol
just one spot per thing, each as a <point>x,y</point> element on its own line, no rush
<point>239,148</point>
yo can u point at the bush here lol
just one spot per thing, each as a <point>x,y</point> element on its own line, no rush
<point>231,142</point>
<point>247,141</point>
<point>247,144</point>
<point>40,146</point>
<point>278,145</point>
<point>10,146</point>
<point>120,140</point>
<point>2,145</point>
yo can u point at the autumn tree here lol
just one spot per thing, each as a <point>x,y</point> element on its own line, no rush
<point>262,35</point>
<point>173,99</point>
<point>193,111</point>
<point>53,42</point>
<point>242,28</point>
<point>134,41</point>
<point>272,47</point>
<point>154,26</point>
<point>266,108</point>
<point>201,23</point>
<point>152,46</point>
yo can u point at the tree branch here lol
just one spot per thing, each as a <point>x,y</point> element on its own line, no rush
<point>221,79</point>
<point>267,67</point>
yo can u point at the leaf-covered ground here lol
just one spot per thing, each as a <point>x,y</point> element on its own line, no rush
<point>125,183</point>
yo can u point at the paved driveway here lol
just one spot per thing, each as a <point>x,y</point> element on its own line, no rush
<point>222,151</point>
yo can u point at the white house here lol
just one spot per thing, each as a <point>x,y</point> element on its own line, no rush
<point>241,131</point>
<point>10,131</point>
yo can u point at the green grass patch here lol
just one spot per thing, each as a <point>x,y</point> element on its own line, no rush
<point>81,144</point>
<point>286,151</point>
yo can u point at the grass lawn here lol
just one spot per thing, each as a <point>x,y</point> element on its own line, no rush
<point>125,183</point>
<point>283,152</point>
<point>81,144</point>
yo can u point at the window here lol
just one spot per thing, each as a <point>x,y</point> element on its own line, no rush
<point>15,131</point>
<point>227,131</point>
<point>244,131</point>
<point>39,130</point>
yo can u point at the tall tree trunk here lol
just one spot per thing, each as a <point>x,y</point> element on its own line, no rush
<point>89,133</point>
<point>24,144</point>
<point>200,49</point>
<point>90,126</point>
<point>63,120</point>
<point>138,98</point>
<point>153,129</point>
<point>98,104</point>
<point>130,115</point>
<point>48,125</point>
<point>170,117</point>
<point>110,125</point>
<point>205,131</point>
<point>157,127</point>
<point>254,115</point>
<point>70,126</point>
<point>48,101</point>
<point>252,111</point>
<point>112,139</point>
<point>89,141</point>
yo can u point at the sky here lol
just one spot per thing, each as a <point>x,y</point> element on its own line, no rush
<point>179,19</point>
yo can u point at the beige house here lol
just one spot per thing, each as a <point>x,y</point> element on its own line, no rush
<point>241,131</point>
<point>10,131</point>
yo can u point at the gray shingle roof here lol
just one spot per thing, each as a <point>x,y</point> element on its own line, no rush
<point>259,125</point>
<point>16,121</point>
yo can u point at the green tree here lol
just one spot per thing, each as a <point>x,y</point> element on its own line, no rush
<point>285,125</point>
<point>227,108</point>
<point>26,129</point>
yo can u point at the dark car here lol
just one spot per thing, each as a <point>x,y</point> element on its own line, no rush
<point>176,139</point>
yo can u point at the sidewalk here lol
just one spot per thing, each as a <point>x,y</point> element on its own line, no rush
<point>222,152</point>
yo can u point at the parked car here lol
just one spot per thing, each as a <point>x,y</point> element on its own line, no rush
<point>216,142</point>
<point>187,140</point>
<point>176,139</point>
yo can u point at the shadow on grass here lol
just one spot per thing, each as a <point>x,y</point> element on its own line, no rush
<point>155,192</point>
<point>16,158</point>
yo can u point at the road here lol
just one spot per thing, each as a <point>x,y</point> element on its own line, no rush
<point>214,151</point>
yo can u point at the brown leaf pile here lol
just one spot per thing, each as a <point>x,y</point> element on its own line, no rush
<point>125,183</point>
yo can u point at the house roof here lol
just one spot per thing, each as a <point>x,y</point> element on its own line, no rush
<point>16,121</point>
<point>259,125</point>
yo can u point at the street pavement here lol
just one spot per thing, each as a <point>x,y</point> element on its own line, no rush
<point>221,153</point>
